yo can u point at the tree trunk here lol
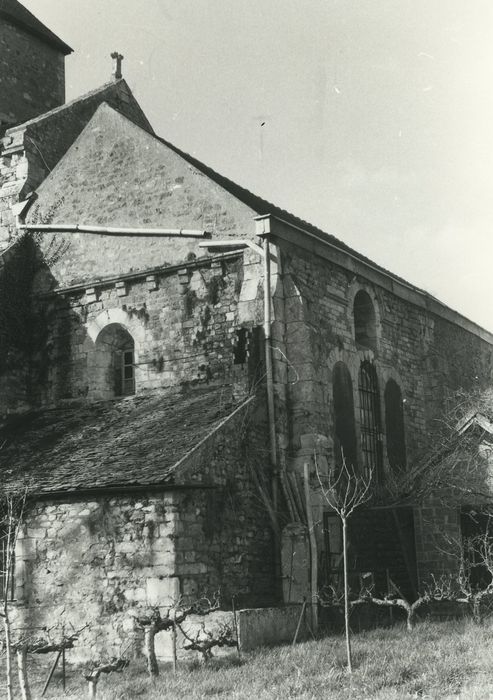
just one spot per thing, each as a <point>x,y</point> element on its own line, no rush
<point>8,654</point>
<point>149,634</point>
<point>173,644</point>
<point>23,677</point>
<point>346,596</point>
<point>476,610</point>
<point>410,620</point>
<point>93,688</point>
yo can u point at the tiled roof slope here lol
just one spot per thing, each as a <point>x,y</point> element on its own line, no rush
<point>17,14</point>
<point>134,441</point>
<point>48,136</point>
<point>107,93</point>
<point>263,207</point>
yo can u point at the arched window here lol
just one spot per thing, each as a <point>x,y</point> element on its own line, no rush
<point>344,425</point>
<point>394,425</point>
<point>114,362</point>
<point>365,333</point>
<point>370,420</point>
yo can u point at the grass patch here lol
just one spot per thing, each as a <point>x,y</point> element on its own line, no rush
<point>437,660</point>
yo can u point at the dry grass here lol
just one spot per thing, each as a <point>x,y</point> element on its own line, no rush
<point>437,660</point>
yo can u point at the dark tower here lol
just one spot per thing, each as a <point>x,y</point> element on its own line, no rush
<point>32,66</point>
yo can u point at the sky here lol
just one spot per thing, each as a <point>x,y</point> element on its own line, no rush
<point>371,119</point>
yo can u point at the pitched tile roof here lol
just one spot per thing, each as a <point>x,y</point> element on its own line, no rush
<point>262,206</point>
<point>133,441</point>
<point>17,14</point>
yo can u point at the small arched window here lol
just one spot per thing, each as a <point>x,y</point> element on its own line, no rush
<point>115,362</point>
<point>344,425</point>
<point>365,333</point>
<point>370,420</point>
<point>394,425</point>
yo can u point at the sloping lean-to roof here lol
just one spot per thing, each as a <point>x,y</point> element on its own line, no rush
<point>133,442</point>
<point>15,13</point>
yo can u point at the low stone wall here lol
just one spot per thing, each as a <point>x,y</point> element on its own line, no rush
<point>257,627</point>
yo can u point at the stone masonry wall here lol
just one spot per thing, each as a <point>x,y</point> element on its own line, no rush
<point>184,322</point>
<point>32,75</point>
<point>31,150</point>
<point>90,561</point>
<point>96,559</point>
<point>16,324</point>
<point>429,358</point>
<point>224,539</point>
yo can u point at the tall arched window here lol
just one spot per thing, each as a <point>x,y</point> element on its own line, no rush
<point>370,420</point>
<point>114,362</point>
<point>344,425</point>
<point>365,332</point>
<point>394,425</point>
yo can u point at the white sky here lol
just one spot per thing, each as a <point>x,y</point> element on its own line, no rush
<point>377,114</point>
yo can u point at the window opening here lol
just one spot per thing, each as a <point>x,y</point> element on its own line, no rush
<point>370,421</point>
<point>114,362</point>
<point>365,333</point>
<point>240,349</point>
<point>344,424</point>
<point>127,381</point>
<point>394,425</point>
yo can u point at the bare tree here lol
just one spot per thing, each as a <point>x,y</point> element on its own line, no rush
<point>345,489</point>
<point>438,589</point>
<point>472,585</point>
<point>12,507</point>
<point>204,640</point>
<point>54,639</point>
<point>97,668</point>
<point>153,620</point>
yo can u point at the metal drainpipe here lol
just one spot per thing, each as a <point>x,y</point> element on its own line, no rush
<point>269,376</point>
<point>111,230</point>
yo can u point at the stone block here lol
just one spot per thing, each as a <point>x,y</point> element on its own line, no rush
<point>162,590</point>
<point>260,627</point>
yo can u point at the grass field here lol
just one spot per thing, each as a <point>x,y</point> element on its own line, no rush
<point>437,660</point>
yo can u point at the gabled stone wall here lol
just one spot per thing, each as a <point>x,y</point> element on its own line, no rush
<point>30,151</point>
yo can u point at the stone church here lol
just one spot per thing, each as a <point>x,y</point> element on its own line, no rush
<point>176,357</point>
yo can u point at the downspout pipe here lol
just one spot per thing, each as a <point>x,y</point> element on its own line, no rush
<point>270,374</point>
<point>111,230</point>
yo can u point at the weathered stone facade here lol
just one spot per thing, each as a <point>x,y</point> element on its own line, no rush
<point>184,322</point>
<point>425,348</point>
<point>96,558</point>
<point>104,329</point>
<point>29,151</point>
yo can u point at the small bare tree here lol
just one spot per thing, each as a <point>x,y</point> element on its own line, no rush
<point>438,589</point>
<point>97,668</point>
<point>54,639</point>
<point>204,640</point>
<point>12,507</point>
<point>345,489</point>
<point>154,619</point>
<point>473,583</point>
